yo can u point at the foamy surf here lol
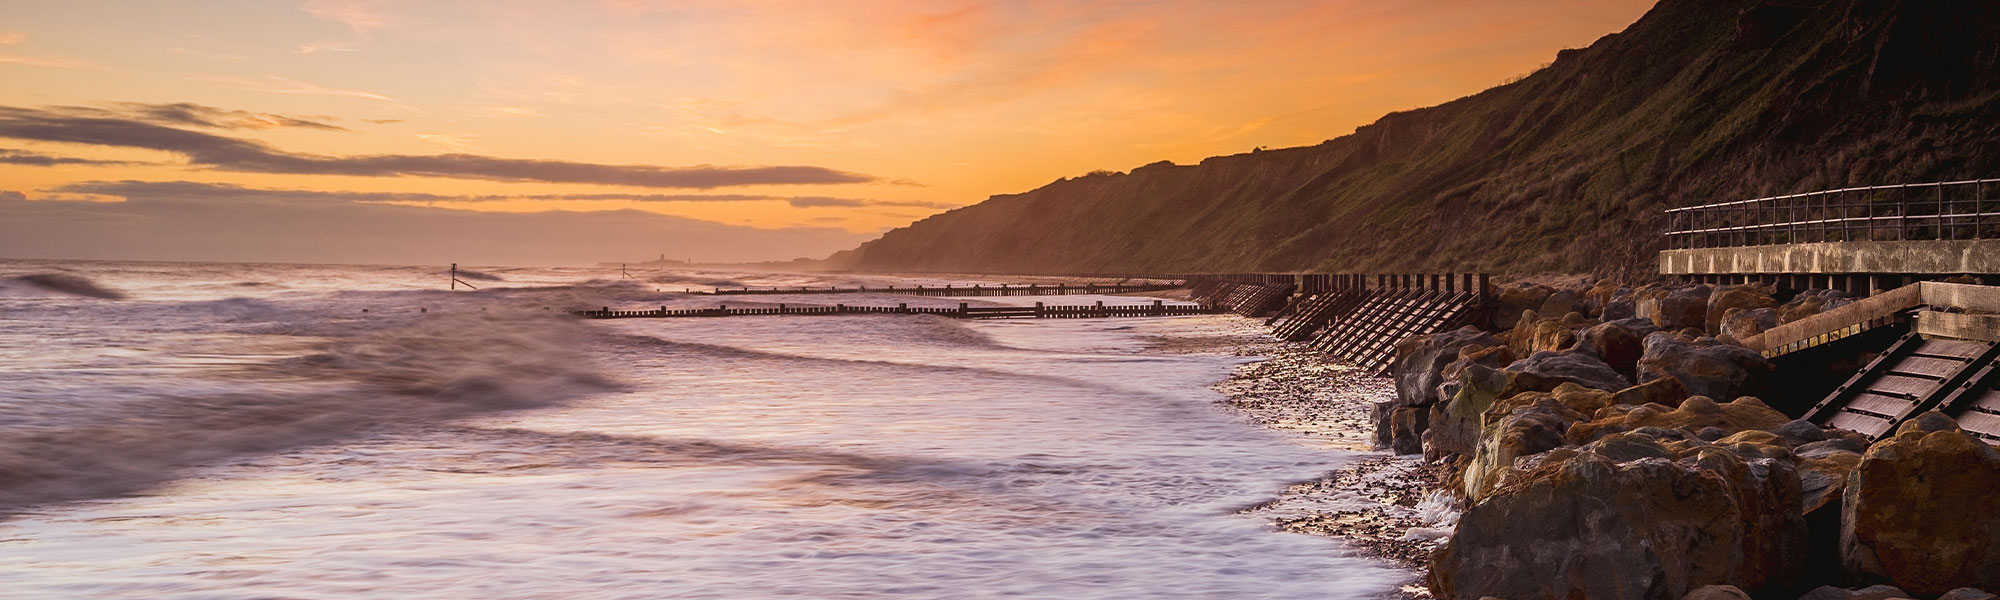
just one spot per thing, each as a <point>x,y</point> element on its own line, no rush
<point>475,445</point>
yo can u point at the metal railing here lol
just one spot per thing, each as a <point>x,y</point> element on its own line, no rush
<point>1944,210</point>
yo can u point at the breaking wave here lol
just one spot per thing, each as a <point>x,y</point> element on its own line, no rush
<point>64,283</point>
<point>434,369</point>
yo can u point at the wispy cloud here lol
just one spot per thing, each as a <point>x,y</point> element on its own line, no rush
<point>53,63</point>
<point>88,127</point>
<point>362,16</point>
<point>12,37</point>
<point>188,113</point>
<point>456,141</point>
<point>327,46</point>
<point>37,159</point>
<point>196,228</point>
<point>194,190</point>
<point>272,84</point>
<point>823,201</point>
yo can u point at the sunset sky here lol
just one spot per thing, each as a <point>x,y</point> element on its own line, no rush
<point>830,121</point>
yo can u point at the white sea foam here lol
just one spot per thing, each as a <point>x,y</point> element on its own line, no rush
<point>287,444</point>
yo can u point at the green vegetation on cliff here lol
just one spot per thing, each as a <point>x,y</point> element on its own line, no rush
<point>1565,170</point>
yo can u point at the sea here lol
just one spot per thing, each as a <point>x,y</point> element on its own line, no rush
<point>263,431</point>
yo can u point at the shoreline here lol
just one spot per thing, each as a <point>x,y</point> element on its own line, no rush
<point>1386,507</point>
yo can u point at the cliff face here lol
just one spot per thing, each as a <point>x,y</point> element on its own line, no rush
<point>1564,171</point>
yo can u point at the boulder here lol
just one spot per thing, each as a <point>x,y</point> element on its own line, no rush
<point>1706,367</point>
<point>1811,302</point>
<point>1421,360</point>
<point>1879,592</point>
<point>1918,510</point>
<point>1746,297</point>
<point>1580,368</point>
<point>1471,354</point>
<point>1716,592</point>
<point>1591,527</point>
<point>1766,491</point>
<point>1562,302</point>
<point>1406,427</point>
<point>1417,371</point>
<point>1615,345</point>
<point>1551,335</point>
<point>1515,428</point>
<point>1693,415</point>
<point>1510,300</point>
<point>1967,594</point>
<point>1621,308</point>
<point>1454,427</point>
<point>1677,309</point>
<point>1664,391</point>
<point>1601,294</point>
<point>1740,324</point>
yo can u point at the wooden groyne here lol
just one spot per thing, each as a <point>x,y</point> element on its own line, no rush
<point>1358,318</point>
<point>962,311</point>
<point>957,291</point>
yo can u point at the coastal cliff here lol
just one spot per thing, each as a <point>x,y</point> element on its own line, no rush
<point>1565,170</point>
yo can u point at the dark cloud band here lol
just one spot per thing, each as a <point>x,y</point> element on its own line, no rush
<point>94,127</point>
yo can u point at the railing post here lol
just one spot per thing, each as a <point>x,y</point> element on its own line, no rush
<point>1159,308</point>
<point>1038,310</point>
<point>1100,308</point>
<point>964,309</point>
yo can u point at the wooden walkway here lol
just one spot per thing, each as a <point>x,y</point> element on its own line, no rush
<point>1913,376</point>
<point>1887,308</point>
<point>960,291</point>
<point>962,311</point>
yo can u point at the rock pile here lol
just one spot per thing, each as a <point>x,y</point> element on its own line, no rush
<point>1606,455</point>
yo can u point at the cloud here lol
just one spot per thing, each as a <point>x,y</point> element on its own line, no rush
<point>193,190</point>
<point>187,113</point>
<point>12,196</point>
<point>230,230</point>
<point>37,159</point>
<point>360,15</point>
<point>820,201</point>
<point>56,63</point>
<point>272,84</point>
<point>233,154</point>
<point>12,37</point>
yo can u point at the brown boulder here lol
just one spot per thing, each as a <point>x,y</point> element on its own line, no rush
<point>1562,302</point>
<point>1575,367</point>
<point>1590,527</point>
<point>1766,491</point>
<point>1918,509</point>
<point>1510,300</point>
<point>1511,430</point>
<point>1716,592</point>
<point>1746,297</point>
<point>1665,391</point>
<point>1454,428</point>
<point>1694,414</point>
<point>1600,294</point>
<point>1676,309</point>
<point>1615,345</point>
<point>1739,324</point>
<point>1706,367</point>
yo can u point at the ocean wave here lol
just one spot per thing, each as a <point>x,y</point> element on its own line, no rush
<point>67,284</point>
<point>440,368</point>
<point>477,276</point>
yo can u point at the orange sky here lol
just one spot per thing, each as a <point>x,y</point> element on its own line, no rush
<point>897,109</point>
